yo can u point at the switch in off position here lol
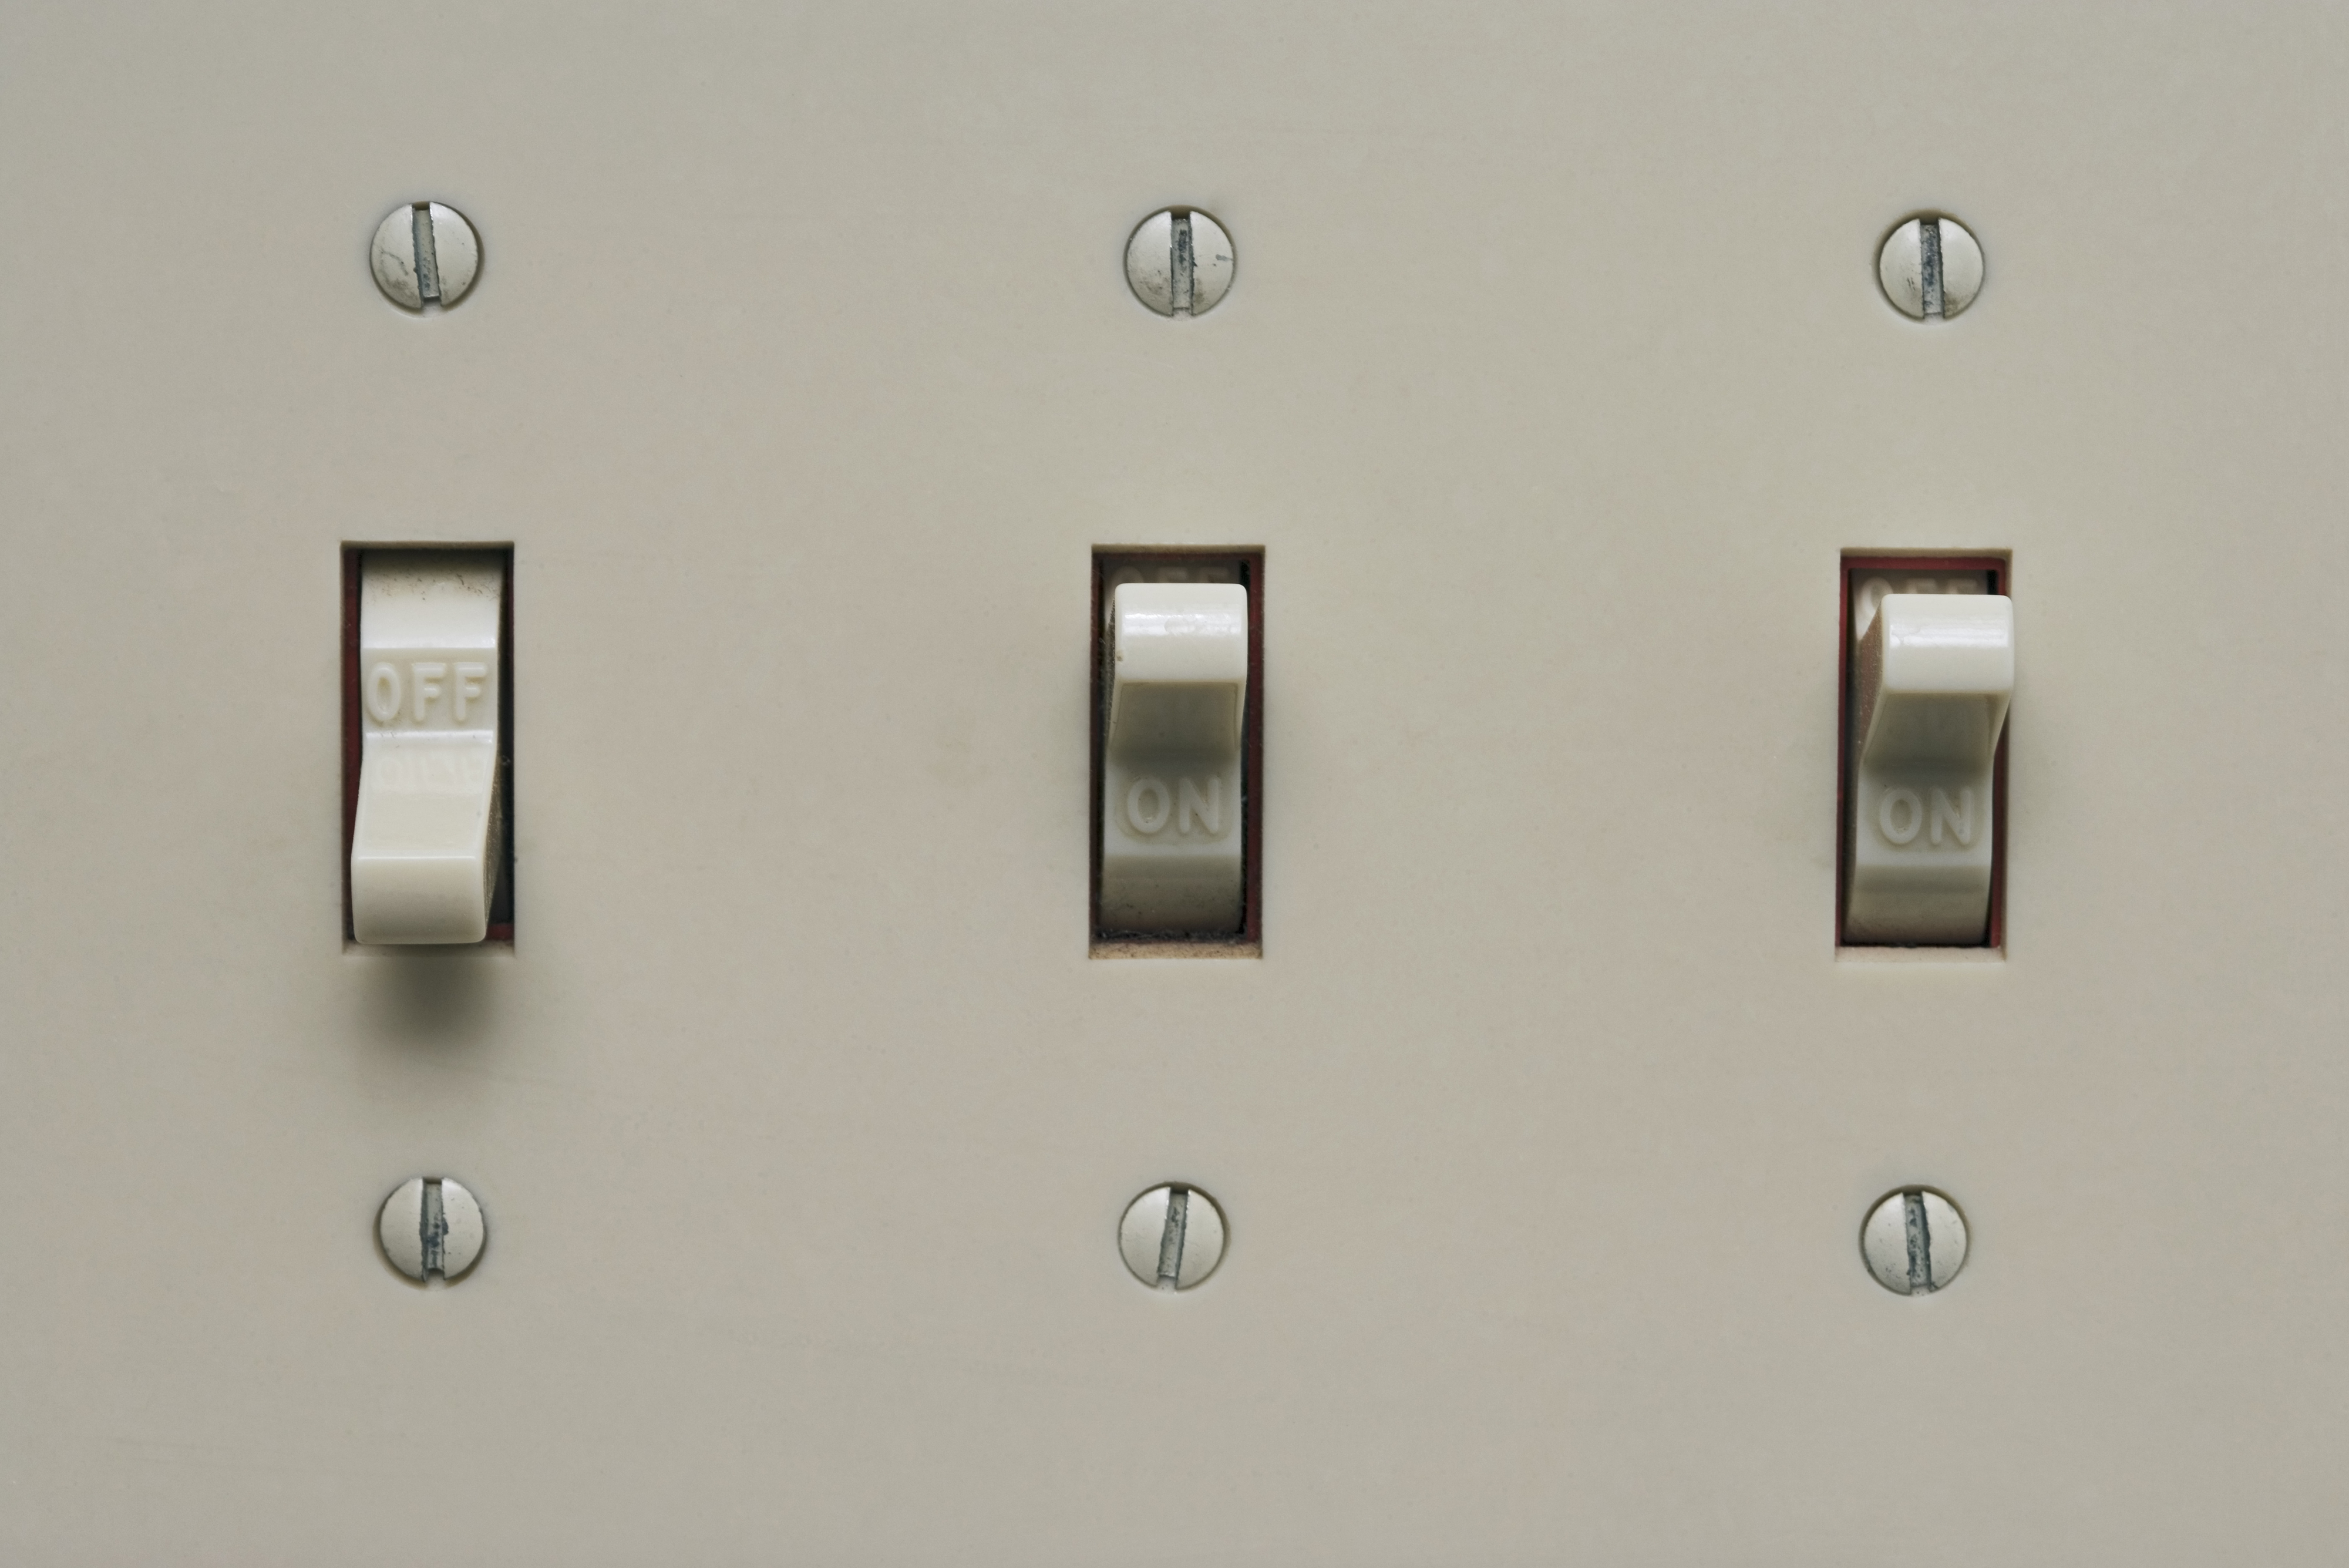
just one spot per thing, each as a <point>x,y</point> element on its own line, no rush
<point>1176,796</point>
<point>426,817</point>
<point>1930,662</point>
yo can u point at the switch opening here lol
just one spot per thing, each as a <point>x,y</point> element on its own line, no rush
<point>1915,819</point>
<point>355,558</point>
<point>1168,812</point>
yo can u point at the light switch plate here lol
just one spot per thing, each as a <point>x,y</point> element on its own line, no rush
<point>802,376</point>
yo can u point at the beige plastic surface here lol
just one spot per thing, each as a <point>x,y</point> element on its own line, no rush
<point>803,375</point>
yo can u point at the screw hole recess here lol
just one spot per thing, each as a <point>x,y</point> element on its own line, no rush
<point>1914,1242</point>
<point>1931,267</point>
<point>1179,261</point>
<point>1171,1237</point>
<point>425,253</point>
<point>431,1227</point>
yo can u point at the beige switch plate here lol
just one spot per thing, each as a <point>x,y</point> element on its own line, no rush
<point>802,377</point>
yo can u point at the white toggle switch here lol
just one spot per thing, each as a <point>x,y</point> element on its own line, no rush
<point>1934,676</point>
<point>1171,804</point>
<point>429,832</point>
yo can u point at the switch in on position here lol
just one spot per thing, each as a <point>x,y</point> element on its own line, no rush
<point>1930,669</point>
<point>1176,758</point>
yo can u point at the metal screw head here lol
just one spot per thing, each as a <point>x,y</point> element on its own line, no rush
<point>1931,267</point>
<point>1914,1242</point>
<point>431,1225</point>
<point>1171,1237</point>
<point>1179,261</point>
<point>425,253</point>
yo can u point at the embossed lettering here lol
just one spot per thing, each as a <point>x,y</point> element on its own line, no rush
<point>432,769</point>
<point>1208,808</point>
<point>425,676</point>
<point>1895,802</point>
<point>1960,819</point>
<point>383,693</point>
<point>470,678</point>
<point>1872,591</point>
<point>1147,805</point>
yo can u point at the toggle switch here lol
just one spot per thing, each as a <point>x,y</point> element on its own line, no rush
<point>429,835</point>
<point>1172,803</point>
<point>1932,675</point>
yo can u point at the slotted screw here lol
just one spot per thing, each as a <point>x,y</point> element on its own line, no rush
<point>1171,1237</point>
<point>1179,261</point>
<point>425,253</point>
<point>1931,267</point>
<point>431,1225</point>
<point>1914,1242</point>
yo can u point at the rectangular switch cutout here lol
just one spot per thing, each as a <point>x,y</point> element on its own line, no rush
<point>502,898</point>
<point>1867,576</point>
<point>1179,804</point>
